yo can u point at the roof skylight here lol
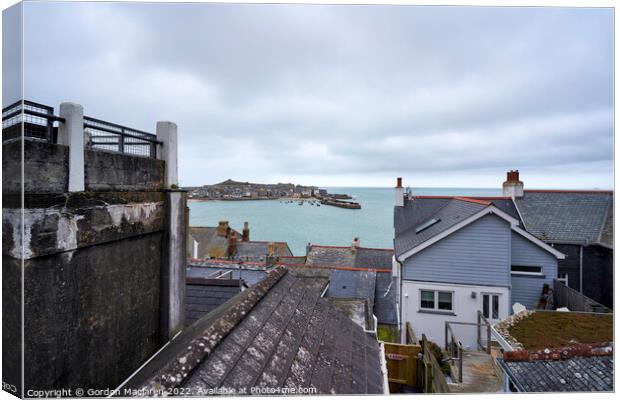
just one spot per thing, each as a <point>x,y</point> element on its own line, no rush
<point>426,225</point>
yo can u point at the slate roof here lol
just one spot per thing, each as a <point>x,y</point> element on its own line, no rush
<point>418,210</point>
<point>204,295</point>
<point>329,256</point>
<point>279,333</point>
<point>568,216</point>
<point>249,273</point>
<point>579,374</point>
<point>353,281</point>
<point>257,250</point>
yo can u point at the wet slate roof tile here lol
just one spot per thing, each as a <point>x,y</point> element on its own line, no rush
<point>579,374</point>
<point>566,216</point>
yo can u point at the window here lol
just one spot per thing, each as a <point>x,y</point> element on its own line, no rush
<point>563,277</point>
<point>435,300</point>
<point>490,306</point>
<point>525,270</point>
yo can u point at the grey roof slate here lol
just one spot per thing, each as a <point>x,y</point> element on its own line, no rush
<point>294,338</point>
<point>353,285</point>
<point>204,295</point>
<point>250,274</point>
<point>257,250</point>
<point>578,374</point>
<point>565,216</point>
<point>330,256</point>
<point>420,210</point>
<point>385,299</point>
<point>375,286</point>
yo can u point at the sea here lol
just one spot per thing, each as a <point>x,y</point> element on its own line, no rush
<point>298,225</point>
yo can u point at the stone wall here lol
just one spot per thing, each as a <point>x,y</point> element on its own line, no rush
<point>92,286</point>
<point>46,169</point>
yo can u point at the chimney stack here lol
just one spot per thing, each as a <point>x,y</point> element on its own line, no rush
<point>232,245</point>
<point>399,193</point>
<point>222,229</point>
<point>355,243</point>
<point>513,187</point>
<point>245,237</point>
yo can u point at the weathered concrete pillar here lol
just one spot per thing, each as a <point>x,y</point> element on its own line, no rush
<point>71,133</point>
<point>174,264</point>
<point>167,134</point>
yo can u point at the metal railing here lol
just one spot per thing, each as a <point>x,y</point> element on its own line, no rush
<point>565,296</point>
<point>108,136</point>
<point>484,324</point>
<point>38,121</point>
<point>454,348</point>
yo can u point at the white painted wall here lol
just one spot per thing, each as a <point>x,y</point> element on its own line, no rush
<point>465,309</point>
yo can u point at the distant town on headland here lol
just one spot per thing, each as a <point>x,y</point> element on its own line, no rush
<point>235,190</point>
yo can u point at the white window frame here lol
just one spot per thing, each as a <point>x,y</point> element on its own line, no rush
<point>527,273</point>
<point>499,305</point>
<point>436,308</point>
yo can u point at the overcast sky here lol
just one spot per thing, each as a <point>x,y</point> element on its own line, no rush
<point>342,95</point>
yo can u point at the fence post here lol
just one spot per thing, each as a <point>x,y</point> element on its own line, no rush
<point>167,134</point>
<point>71,133</point>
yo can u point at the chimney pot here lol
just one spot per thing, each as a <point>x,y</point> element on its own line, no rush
<point>399,182</point>
<point>246,232</point>
<point>399,193</point>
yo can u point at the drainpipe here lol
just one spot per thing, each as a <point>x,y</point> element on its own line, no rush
<point>581,269</point>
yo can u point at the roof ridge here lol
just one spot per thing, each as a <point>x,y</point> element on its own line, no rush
<point>214,328</point>
<point>470,200</point>
<point>580,191</point>
<point>347,268</point>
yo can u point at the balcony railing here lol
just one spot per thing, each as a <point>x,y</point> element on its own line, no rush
<point>37,121</point>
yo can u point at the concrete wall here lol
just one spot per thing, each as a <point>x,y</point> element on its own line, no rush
<point>92,285</point>
<point>46,169</point>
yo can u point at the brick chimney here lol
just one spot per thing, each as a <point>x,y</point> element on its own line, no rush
<point>222,229</point>
<point>399,193</point>
<point>513,187</point>
<point>232,245</point>
<point>245,237</point>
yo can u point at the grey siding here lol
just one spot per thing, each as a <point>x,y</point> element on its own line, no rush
<point>476,254</point>
<point>527,289</point>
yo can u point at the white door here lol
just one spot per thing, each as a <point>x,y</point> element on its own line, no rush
<point>490,306</point>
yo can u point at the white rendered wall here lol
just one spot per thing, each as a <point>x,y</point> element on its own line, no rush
<point>465,309</point>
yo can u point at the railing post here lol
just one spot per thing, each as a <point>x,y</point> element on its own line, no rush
<point>488,338</point>
<point>446,335</point>
<point>71,133</point>
<point>121,141</point>
<point>167,134</point>
<point>478,338</point>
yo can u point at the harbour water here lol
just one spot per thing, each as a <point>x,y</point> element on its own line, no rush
<point>275,220</point>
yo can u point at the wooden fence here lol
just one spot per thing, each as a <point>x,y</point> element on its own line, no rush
<point>410,337</point>
<point>402,364</point>
<point>564,296</point>
<point>430,376</point>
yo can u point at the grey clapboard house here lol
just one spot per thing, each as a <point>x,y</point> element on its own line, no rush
<point>456,256</point>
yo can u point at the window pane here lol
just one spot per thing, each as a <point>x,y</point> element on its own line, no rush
<point>526,268</point>
<point>495,307</point>
<point>445,300</point>
<point>427,298</point>
<point>485,305</point>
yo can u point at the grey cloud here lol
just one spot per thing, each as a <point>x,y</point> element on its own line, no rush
<point>293,90</point>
